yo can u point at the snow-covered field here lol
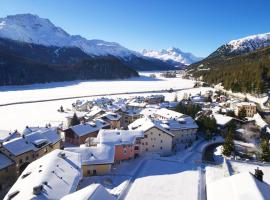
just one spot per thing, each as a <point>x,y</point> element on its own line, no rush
<point>161,179</point>
<point>38,114</point>
<point>81,88</point>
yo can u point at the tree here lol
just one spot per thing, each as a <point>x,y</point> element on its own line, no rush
<point>265,156</point>
<point>208,125</point>
<point>230,113</point>
<point>74,120</point>
<point>228,146</point>
<point>61,109</point>
<point>242,113</point>
<point>188,109</point>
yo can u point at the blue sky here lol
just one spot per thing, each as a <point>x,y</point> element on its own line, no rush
<point>197,26</point>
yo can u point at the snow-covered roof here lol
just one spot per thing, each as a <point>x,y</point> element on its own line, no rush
<point>100,154</point>
<point>7,135</point>
<point>118,137</point>
<point>168,114</point>
<point>246,104</point>
<point>177,124</point>
<point>242,186</point>
<point>112,116</point>
<point>31,141</point>
<point>94,111</point>
<point>91,192</point>
<point>89,127</point>
<point>259,120</point>
<point>4,161</point>
<point>222,120</point>
<point>145,123</point>
<point>55,175</point>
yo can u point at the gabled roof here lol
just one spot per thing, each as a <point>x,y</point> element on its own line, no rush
<point>111,116</point>
<point>222,120</point>
<point>168,114</point>
<point>91,192</point>
<point>89,127</point>
<point>242,186</point>
<point>31,141</point>
<point>7,135</point>
<point>56,174</point>
<point>5,161</point>
<point>145,123</point>
<point>100,154</point>
<point>119,137</point>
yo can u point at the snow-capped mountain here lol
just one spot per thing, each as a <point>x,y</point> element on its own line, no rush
<point>33,29</point>
<point>250,43</point>
<point>172,54</point>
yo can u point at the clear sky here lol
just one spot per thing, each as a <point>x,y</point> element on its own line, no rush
<point>197,26</point>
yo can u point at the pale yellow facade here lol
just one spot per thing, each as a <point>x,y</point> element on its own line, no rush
<point>156,140</point>
<point>251,109</point>
<point>90,170</point>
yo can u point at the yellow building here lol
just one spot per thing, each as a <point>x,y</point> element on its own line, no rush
<point>96,160</point>
<point>250,108</point>
<point>30,146</point>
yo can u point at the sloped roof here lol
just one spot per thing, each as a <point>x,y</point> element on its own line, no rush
<point>91,192</point>
<point>100,154</point>
<point>242,186</point>
<point>58,172</point>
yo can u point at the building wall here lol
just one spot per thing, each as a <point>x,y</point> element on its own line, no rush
<point>88,170</point>
<point>72,138</point>
<point>7,178</point>
<point>123,152</point>
<point>156,140</point>
<point>115,124</point>
<point>184,135</point>
<point>251,110</point>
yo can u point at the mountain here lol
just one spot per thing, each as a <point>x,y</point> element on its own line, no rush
<point>25,63</point>
<point>241,65</point>
<point>30,28</point>
<point>172,55</point>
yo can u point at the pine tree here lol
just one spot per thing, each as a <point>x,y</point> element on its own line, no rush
<point>228,146</point>
<point>74,120</point>
<point>265,156</point>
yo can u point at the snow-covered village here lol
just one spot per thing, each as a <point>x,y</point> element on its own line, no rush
<point>200,141</point>
<point>134,100</point>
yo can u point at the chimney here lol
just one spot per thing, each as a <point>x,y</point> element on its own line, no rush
<point>259,174</point>
<point>37,190</point>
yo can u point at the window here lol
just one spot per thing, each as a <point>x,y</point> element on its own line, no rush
<point>27,158</point>
<point>160,148</point>
<point>88,172</point>
<point>136,148</point>
<point>146,143</point>
<point>162,141</point>
<point>145,136</point>
<point>6,169</point>
<point>153,146</point>
<point>146,149</point>
<point>125,151</point>
<point>20,161</point>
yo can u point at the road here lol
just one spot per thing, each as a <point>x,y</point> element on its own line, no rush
<point>87,96</point>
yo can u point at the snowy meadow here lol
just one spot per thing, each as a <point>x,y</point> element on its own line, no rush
<point>38,114</point>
